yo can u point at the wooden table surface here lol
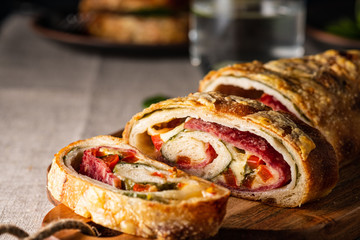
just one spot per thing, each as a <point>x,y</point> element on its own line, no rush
<point>52,94</point>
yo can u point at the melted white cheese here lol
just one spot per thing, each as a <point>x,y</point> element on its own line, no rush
<point>248,84</point>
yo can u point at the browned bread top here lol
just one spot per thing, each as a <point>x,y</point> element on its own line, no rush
<point>310,154</point>
<point>324,87</point>
<point>194,211</point>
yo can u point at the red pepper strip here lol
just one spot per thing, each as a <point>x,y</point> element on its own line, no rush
<point>180,185</point>
<point>96,153</point>
<point>264,173</point>
<point>272,102</point>
<point>157,141</point>
<point>230,178</point>
<point>158,174</point>
<point>141,187</point>
<point>111,160</point>
<point>253,162</point>
<point>128,157</point>
<point>183,162</point>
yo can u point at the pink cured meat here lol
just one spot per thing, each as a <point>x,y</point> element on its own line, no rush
<point>272,102</point>
<point>97,169</point>
<point>248,142</point>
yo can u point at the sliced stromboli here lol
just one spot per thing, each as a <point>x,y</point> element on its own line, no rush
<point>134,29</point>
<point>112,183</point>
<point>239,143</point>
<point>322,90</point>
<point>136,22</point>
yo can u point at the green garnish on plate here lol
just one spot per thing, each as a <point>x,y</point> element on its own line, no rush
<point>153,99</point>
<point>348,26</point>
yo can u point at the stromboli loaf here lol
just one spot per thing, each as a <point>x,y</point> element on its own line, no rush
<point>323,90</point>
<point>139,22</point>
<point>151,199</point>
<point>240,143</point>
<point>132,29</point>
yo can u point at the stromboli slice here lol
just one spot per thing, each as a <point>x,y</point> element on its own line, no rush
<point>138,22</point>
<point>322,90</point>
<point>240,143</point>
<point>112,183</point>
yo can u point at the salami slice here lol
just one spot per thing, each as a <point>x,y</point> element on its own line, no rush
<point>249,142</point>
<point>257,153</point>
<point>155,200</point>
<point>97,169</point>
<point>323,90</point>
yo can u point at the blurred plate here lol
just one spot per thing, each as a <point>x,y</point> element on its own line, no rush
<point>329,38</point>
<point>318,18</point>
<point>67,28</point>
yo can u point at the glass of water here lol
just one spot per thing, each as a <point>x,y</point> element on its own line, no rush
<point>232,31</point>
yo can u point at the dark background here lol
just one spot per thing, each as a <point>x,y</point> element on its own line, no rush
<point>8,6</point>
<point>317,10</point>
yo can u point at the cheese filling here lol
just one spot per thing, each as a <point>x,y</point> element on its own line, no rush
<point>135,177</point>
<point>189,146</point>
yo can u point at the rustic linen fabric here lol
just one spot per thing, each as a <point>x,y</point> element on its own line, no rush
<point>52,94</point>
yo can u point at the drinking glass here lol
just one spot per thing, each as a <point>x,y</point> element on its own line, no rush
<point>223,32</point>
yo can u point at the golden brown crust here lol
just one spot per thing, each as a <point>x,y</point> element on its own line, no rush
<point>316,158</point>
<point>221,105</point>
<point>133,29</point>
<point>324,87</point>
<point>324,173</point>
<point>194,218</point>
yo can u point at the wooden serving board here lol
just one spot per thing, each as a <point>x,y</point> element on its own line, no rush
<point>337,216</point>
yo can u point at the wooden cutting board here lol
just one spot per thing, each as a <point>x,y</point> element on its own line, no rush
<point>337,216</point>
